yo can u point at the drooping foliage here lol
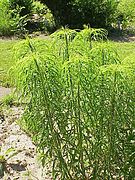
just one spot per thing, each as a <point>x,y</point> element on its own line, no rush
<point>80,104</point>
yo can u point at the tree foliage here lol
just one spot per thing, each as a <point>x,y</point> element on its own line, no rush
<point>126,12</point>
<point>25,5</point>
<point>10,20</point>
<point>76,13</point>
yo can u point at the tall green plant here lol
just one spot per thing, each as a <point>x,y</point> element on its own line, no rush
<point>80,105</point>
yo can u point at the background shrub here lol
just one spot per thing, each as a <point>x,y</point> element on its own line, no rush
<point>76,13</point>
<point>25,6</point>
<point>80,108</point>
<point>42,19</point>
<point>126,13</point>
<point>21,17</point>
<point>4,18</point>
<point>10,21</point>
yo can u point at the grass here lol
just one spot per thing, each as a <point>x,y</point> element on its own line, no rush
<point>125,49</point>
<point>6,60</point>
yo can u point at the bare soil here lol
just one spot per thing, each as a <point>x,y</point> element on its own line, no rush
<point>24,165</point>
<point>4,91</point>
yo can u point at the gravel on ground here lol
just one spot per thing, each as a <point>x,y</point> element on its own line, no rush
<point>4,91</point>
<point>24,165</point>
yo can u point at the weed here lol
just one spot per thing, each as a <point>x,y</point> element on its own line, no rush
<point>8,100</point>
<point>80,105</point>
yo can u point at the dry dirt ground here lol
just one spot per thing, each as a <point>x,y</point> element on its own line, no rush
<point>24,165</point>
<point>4,91</point>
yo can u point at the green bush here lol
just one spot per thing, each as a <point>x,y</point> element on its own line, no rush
<point>17,17</point>
<point>26,6</point>
<point>4,18</point>
<point>42,19</point>
<point>80,109</point>
<point>126,13</point>
<point>39,8</point>
<point>10,21</point>
<point>76,13</point>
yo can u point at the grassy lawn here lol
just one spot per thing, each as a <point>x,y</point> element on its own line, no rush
<point>6,59</point>
<point>6,56</point>
<point>125,49</point>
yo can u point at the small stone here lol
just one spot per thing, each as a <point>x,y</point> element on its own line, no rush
<point>24,163</point>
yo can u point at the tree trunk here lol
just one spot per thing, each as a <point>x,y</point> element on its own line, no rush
<point>60,10</point>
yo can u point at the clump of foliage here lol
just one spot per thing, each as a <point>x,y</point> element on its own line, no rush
<point>42,19</point>
<point>4,18</point>
<point>10,21</point>
<point>18,17</point>
<point>80,109</point>
<point>126,13</point>
<point>26,6</point>
<point>75,13</point>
